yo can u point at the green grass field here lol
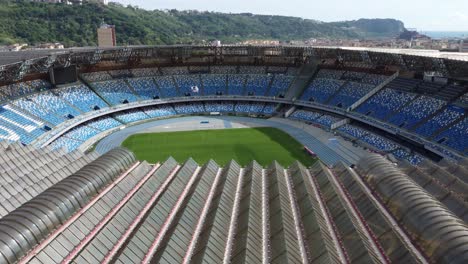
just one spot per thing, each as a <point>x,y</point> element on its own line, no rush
<point>243,145</point>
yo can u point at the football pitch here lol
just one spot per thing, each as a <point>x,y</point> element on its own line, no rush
<point>263,144</point>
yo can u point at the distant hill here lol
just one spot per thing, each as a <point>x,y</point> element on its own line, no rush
<point>373,28</point>
<point>24,21</point>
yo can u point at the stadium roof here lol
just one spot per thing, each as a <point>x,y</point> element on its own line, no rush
<point>11,57</point>
<point>462,56</point>
<point>116,209</point>
<point>16,65</point>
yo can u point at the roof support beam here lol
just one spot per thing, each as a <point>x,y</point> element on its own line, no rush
<point>169,220</point>
<point>74,253</point>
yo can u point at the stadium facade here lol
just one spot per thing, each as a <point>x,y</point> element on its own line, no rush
<point>406,204</point>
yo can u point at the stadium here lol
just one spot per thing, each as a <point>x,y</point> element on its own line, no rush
<point>233,154</point>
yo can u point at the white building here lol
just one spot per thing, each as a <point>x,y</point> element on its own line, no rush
<point>464,45</point>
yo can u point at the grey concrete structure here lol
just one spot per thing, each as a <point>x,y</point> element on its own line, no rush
<point>120,210</point>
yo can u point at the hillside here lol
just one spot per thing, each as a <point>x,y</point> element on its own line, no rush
<point>23,21</point>
<point>370,28</point>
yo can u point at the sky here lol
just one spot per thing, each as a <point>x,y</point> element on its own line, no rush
<point>424,15</point>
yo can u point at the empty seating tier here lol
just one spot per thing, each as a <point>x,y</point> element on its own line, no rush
<point>145,88</point>
<point>38,111</point>
<point>385,103</point>
<point>115,92</point>
<point>455,137</point>
<point>214,84</point>
<point>416,111</point>
<point>166,86</point>
<point>257,85</point>
<point>350,93</point>
<point>280,85</point>
<point>131,116</point>
<point>320,90</point>
<point>441,120</point>
<point>236,84</point>
<point>81,97</point>
<point>314,117</point>
<point>422,110</point>
<point>188,84</point>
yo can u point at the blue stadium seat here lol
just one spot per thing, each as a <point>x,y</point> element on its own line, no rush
<point>131,116</point>
<point>257,85</point>
<point>242,107</point>
<point>402,154</point>
<point>27,127</point>
<point>36,110</point>
<point>81,97</point>
<point>441,120</point>
<point>327,120</point>
<point>314,117</point>
<point>353,131</point>
<point>213,83</point>
<point>385,102</point>
<point>65,142</point>
<point>374,79</point>
<point>305,115</point>
<point>256,108</point>
<point>350,94</point>
<point>379,142</point>
<point>55,104</point>
<point>188,83</point>
<point>416,111</point>
<point>12,133</point>
<point>159,111</point>
<point>145,88</point>
<point>166,86</point>
<point>23,88</point>
<point>456,136</point>
<point>220,107</point>
<point>321,89</point>
<point>370,138</point>
<point>82,133</point>
<point>280,85</point>
<point>187,109</point>
<point>236,84</point>
<point>269,109</point>
<point>104,123</point>
<point>116,92</point>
